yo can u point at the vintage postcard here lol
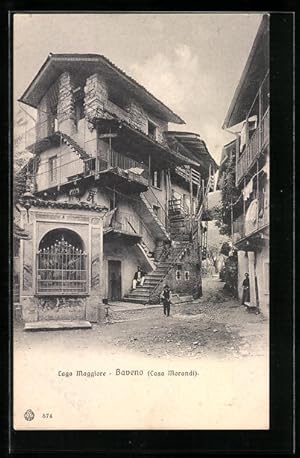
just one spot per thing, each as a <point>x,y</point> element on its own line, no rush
<point>141,221</point>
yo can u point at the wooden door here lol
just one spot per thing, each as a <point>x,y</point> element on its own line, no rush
<point>114,280</point>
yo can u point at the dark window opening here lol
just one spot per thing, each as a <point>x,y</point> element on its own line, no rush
<point>53,169</point>
<point>119,99</point>
<point>156,178</point>
<point>156,210</point>
<point>152,130</point>
<point>79,111</point>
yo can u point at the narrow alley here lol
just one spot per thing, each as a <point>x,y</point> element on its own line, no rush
<point>215,325</point>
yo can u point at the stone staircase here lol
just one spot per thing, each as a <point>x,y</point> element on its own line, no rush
<point>71,143</point>
<point>154,279</point>
<point>151,219</point>
<point>179,228</point>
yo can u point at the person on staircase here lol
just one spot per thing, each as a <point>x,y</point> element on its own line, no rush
<point>139,278</point>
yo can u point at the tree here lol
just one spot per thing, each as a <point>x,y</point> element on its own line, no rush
<point>229,195</point>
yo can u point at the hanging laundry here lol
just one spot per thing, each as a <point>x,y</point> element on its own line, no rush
<point>252,122</point>
<point>243,139</point>
<point>248,190</point>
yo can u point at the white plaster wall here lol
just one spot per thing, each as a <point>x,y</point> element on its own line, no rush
<point>68,163</point>
<point>262,273</point>
<point>130,259</point>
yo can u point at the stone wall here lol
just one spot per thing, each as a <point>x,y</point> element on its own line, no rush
<point>66,105</point>
<point>138,117</point>
<point>183,286</point>
<point>96,95</point>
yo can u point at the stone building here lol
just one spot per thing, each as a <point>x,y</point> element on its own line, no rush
<point>248,117</point>
<point>108,188</point>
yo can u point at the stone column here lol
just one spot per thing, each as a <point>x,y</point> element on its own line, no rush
<point>251,259</point>
<point>94,305</point>
<point>96,95</point>
<point>27,261</point>
<point>66,107</point>
<point>243,267</point>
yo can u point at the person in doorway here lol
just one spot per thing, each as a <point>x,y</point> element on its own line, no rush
<point>166,299</point>
<point>246,289</point>
<point>139,278</point>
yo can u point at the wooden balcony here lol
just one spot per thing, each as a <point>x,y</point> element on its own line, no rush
<point>244,229</point>
<point>256,144</point>
<point>123,224</point>
<point>114,169</point>
<point>185,173</point>
<point>177,207</point>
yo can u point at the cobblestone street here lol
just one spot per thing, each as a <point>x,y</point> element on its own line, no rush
<point>214,325</point>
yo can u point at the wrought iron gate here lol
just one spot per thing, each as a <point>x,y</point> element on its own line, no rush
<point>61,269</point>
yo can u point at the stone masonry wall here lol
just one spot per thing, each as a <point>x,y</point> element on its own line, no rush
<point>96,95</point>
<point>191,286</point>
<point>138,117</point>
<point>66,106</point>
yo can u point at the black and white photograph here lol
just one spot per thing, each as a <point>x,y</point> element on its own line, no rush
<point>141,196</point>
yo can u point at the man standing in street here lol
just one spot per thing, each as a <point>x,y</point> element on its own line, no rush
<point>166,298</point>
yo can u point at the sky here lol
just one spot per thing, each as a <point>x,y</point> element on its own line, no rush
<point>191,62</point>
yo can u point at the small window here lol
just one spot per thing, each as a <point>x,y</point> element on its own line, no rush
<point>152,130</point>
<point>156,210</point>
<point>79,111</point>
<point>186,275</point>
<point>156,178</point>
<point>178,274</point>
<point>53,169</point>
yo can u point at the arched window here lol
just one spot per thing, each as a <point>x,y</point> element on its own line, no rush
<point>61,264</point>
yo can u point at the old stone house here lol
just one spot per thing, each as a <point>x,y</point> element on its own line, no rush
<point>248,117</point>
<point>108,188</point>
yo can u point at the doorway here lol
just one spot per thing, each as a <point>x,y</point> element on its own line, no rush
<point>114,280</point>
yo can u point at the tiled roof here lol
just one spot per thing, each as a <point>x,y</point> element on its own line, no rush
<point>35,202</point>
<point>195,145</point>
<point>95,59</point>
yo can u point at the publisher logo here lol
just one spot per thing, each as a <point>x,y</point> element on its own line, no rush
<point>29,415</point>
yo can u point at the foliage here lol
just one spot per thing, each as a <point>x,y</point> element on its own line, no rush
<point>231,273</point>
<point>229,196</point>
<point>225,249</point>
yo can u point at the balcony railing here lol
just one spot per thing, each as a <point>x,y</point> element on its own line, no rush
<point>112,159</point>
<point>34,134</point>
<point>126,222</point>
<point>177,207</point>
<point>185,173</point>
<point>243,228</point>
<point>259,139</point>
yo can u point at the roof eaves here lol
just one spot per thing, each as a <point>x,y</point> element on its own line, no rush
<point>106,61</point>
<point>226,123</point>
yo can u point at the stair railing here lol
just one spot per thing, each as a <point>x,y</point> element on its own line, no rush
<point>173,262</point>
<point>128,222</point>
<point>158,204</point>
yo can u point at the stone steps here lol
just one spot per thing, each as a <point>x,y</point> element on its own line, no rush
<point>142,293</point>
<point>56,325</point>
